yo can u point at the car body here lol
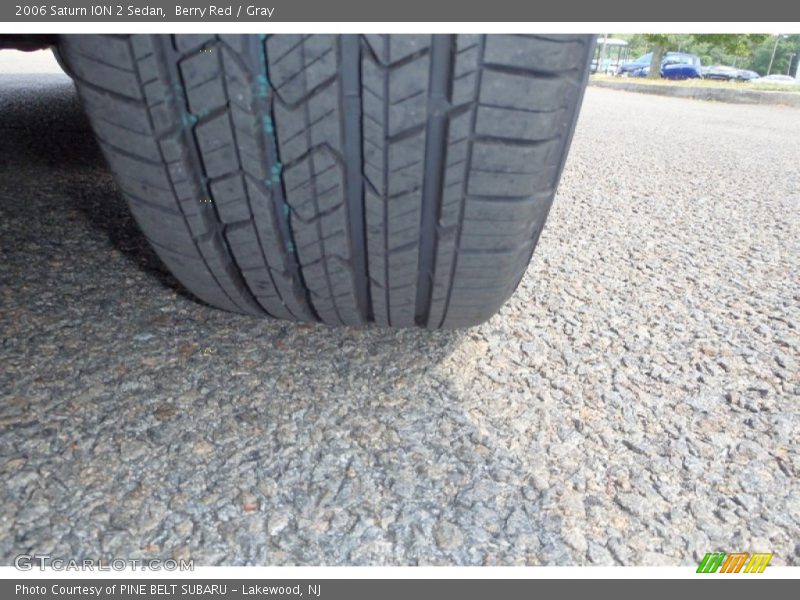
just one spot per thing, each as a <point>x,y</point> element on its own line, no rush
<point>746,75</point>
<point>680,65</point>
<point>674,65</point>
<point>719,73</point>
<point>632,67</point>
<point>725,73</point>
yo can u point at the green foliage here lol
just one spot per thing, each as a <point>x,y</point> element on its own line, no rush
<point>731,43</point>
<point>787,45</point>
<point>658,39</point>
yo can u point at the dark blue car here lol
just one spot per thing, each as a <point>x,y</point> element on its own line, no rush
<point>674,65</point>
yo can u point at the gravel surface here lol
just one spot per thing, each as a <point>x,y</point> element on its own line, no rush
<point>635,403</point>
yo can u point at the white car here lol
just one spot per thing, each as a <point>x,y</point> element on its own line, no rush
<point>780,79</point>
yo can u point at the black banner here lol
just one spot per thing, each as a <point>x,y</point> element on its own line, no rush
<point>349,589</point>
<point>198,11</point>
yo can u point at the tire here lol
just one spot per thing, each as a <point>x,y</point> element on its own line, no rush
<point>401,180</point>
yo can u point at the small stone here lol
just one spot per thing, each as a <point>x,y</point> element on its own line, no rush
<point>202,447</point>
<point>182,553</point>
<point>186,350</point>
<point>184,528</point>
<point>13,464</point>
<point>447,536</point>
<point>165,411</point>
<point>249,503</point>
<point>599,555</point>
<point>633,504</point>
<point>575,539</point>
<point>278,521</point>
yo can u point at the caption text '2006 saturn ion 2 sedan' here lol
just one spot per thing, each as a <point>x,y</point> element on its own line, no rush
<point>396,180</point>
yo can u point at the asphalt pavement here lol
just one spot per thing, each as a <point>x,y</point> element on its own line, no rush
<point>636,402</point>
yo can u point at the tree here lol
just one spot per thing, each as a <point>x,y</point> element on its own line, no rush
<point>761,55</point>
<point>739,45</point>
<point>659,41</point>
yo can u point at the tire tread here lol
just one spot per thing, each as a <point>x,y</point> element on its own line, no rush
<point>401,180</point>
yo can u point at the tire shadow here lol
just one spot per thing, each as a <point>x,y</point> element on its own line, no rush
<point>54,161</point>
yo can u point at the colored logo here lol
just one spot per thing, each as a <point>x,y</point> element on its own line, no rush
<point>735,562</point>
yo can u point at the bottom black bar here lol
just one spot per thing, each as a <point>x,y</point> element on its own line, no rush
<point>389,589</point>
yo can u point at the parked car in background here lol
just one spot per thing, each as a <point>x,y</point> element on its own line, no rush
<point>678,65</point>
<point>719,73</point>
<point>779,79</point>
<point>724,73</point>
<point>674,65</point>
<point>635,66</point>
<point>606,66</point>
<point>745,75</point>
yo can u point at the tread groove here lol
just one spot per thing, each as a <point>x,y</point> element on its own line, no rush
<point>439,100</point>
<point>350,48</point>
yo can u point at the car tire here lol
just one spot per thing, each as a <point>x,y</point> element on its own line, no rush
<point>401,180</point>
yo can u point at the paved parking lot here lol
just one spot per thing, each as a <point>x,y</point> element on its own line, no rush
<point>635,403</point>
